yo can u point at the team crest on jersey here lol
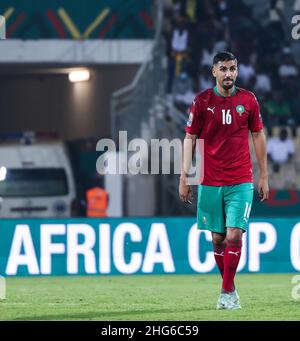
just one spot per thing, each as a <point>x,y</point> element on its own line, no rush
<point>190,121</point>
<point>240,109</point>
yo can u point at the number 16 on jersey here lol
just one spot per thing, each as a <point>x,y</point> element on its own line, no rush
<point>226,116</point>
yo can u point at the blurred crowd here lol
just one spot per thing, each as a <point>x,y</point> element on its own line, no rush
<point>196,30</point>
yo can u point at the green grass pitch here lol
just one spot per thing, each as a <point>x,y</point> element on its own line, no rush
<point>147,297</point>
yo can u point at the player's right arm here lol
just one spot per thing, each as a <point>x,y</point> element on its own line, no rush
<point>189,145</point>
<point>192,129</point>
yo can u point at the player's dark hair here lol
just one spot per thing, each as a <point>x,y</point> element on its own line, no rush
<point>223,57</point>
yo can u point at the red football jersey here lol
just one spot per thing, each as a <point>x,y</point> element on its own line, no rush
<point>224,123</point>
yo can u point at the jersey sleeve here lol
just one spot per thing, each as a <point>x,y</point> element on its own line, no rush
<point>194,122</point>
<point>255,119</point>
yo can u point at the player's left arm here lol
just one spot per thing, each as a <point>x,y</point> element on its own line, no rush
<point>260,147</point>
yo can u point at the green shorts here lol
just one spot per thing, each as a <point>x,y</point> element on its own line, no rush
<point>220,207</point>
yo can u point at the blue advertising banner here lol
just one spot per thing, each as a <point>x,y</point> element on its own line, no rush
<point>138,246</point>
<point>281,203</point>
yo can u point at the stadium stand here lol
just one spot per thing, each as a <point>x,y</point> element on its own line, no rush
<point>259,34</point>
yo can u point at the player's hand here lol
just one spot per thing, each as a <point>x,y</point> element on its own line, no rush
<point>185,192</point>
<point>263,188</point>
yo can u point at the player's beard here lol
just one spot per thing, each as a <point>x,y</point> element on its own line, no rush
<point>228,86</point>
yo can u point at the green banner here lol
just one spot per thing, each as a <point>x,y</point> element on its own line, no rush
<point>138,246</point>
<point>93,19</point>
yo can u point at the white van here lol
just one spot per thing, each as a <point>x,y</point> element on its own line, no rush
<point>36,179</point>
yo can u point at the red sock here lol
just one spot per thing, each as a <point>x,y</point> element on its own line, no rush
<point>219,250</point>
<point>232,256</point>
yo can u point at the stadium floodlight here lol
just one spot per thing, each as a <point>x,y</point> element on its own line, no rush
<point>79,76</point>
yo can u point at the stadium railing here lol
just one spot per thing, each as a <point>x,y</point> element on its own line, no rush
<point>143,104</point>
<point>130,105</point>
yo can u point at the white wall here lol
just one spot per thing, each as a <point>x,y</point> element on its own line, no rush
<point>72,51</point>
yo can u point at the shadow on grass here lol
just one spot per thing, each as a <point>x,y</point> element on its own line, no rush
<point>103,315</point>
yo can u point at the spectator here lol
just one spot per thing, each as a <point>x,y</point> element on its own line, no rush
<point>183,93</point>
<point>245,45</point>
<point>278,110</point>
<point>221,41</point>
<point>275,29</point>
<point>296,6</point>
<point>180,36</point>
<point>251,83</point>
<point>280,150</point>
<point>246,71</point>
<point>178,7</point>
<point>179,47</point>
<point>208,54</point>
<point>276,11</point>
<point>208,30</point>
<point>288,68</point>
<point>190,8</point>
<point>263,83</point>
<point>205,79</point>
<point>269,64</point>
<point>221,10</point>
<point>295,105</point>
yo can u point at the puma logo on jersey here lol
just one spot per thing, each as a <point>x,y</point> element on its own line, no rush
<point>211,109</point>
<point>219,254</point>
<point>234,253</point>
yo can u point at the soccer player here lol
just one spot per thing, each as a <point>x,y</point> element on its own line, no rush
<point>222,116</point>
